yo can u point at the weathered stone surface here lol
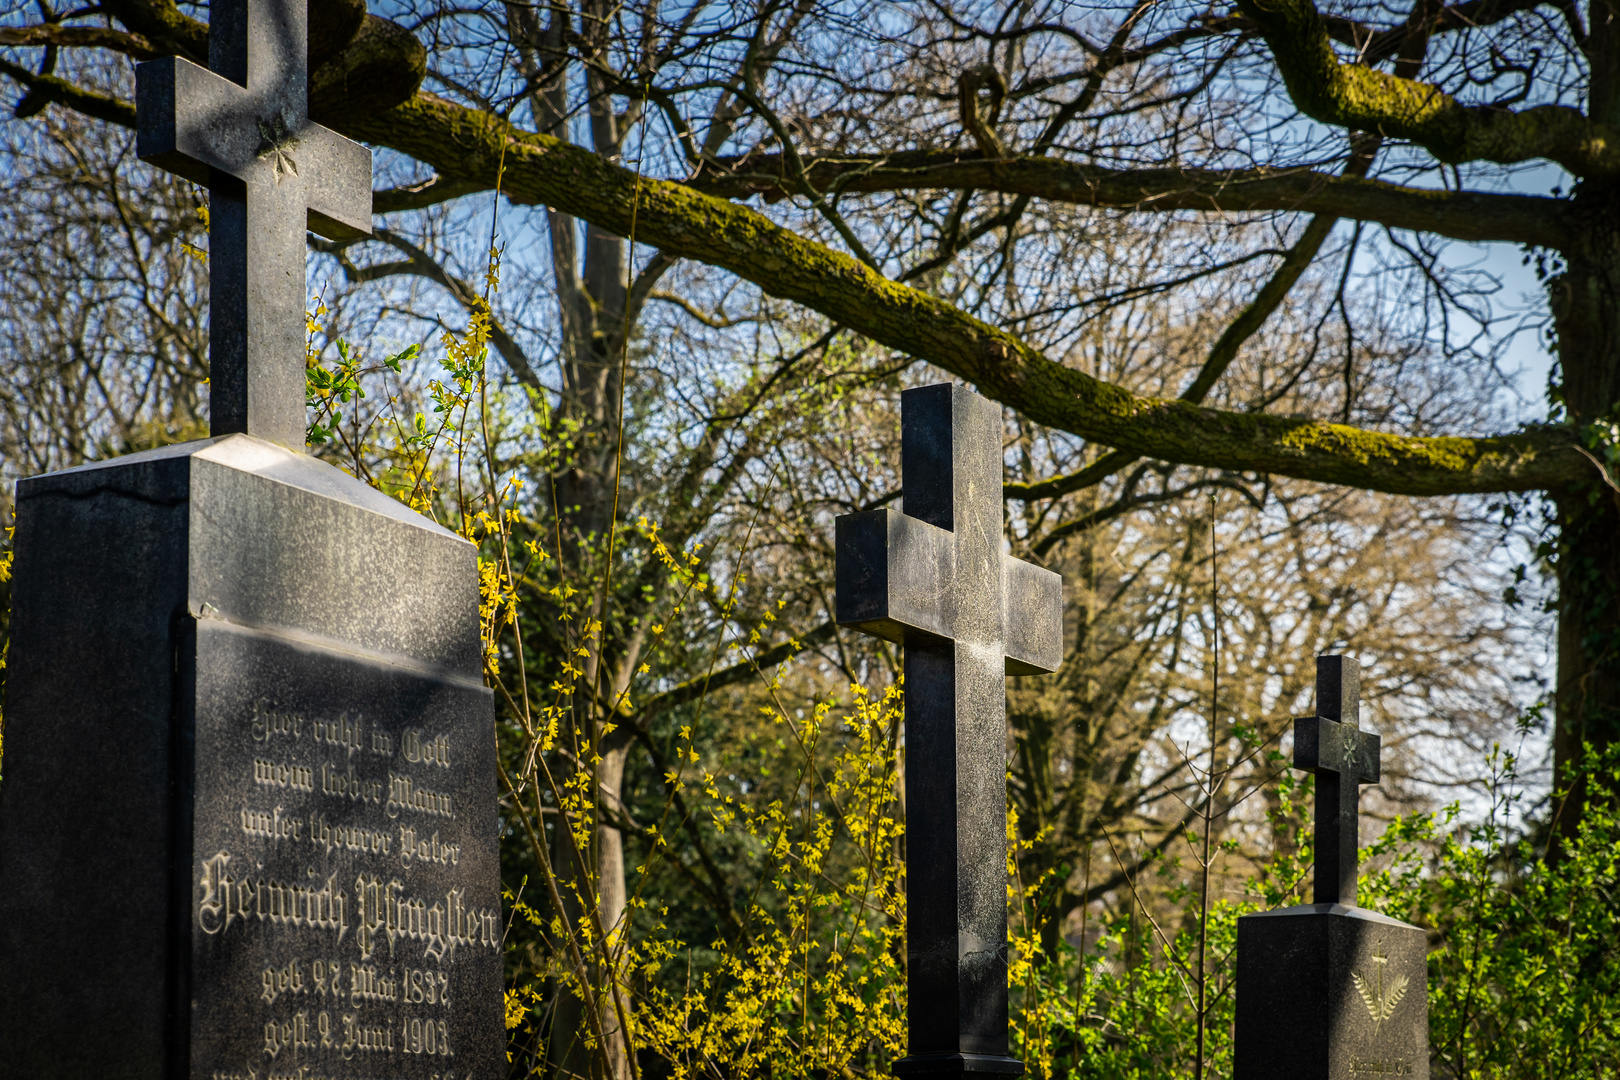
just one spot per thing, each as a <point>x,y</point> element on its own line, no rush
<point>1328,992</point>
<point>247,826</point>
<point>936,579</point>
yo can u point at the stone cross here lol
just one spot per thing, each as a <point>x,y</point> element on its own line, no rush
<point>936,580</point>
<point>1332,745</point>
<point>241,126</point>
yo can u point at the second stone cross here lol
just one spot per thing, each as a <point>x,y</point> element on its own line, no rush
<point>935,578</point>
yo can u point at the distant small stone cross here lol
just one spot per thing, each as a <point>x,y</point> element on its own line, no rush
<point>242,128</point>
<point>936,579</point>
<point>1332,745</point>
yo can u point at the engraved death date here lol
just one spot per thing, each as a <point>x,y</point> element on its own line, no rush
<point>345,919</point>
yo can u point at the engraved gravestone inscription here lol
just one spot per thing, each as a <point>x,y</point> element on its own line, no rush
<point>248,827</point>
<point>343,924</point>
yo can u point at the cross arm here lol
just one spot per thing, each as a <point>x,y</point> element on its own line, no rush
<point>339,194</point>
<point>1323,745</point>
<point>1034,607</point>
<point>896,579</point>
<point>160,137</point>
<point>895,575</point>
<point>195,123</point>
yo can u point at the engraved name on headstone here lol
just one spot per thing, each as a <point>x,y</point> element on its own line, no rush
<point>248,822</point>
<point>247,826</point>
<point>935,578</point>
<point>1329,990</point>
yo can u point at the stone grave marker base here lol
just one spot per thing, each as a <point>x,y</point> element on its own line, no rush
<point>247,825</point>
<point>1329,992</point>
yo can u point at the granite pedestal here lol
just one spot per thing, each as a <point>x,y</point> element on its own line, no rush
<point>1328,992</point>
<point>248,819</point>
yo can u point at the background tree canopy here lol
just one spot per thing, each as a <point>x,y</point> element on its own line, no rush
<point>1207,257</point>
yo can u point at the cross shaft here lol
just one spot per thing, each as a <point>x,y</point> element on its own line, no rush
<point>936,580</point>
<point>1332,745</point>
<point>241,127</point>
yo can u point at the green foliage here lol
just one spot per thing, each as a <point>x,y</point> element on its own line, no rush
<point>1524,975</point>
<point>812,981</point>
<point>1128,1009</point>
<point>1524,971</point>
<point>1524,978</point>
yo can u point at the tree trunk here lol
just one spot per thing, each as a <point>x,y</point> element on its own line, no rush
<point>592,308</point>
<point>1586,310</point>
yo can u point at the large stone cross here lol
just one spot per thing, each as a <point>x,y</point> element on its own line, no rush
<point>936,579</point>
<point>1332,745</point>
<point>241,126</point>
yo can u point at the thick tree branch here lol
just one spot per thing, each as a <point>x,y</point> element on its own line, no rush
<point>1095,473</point>
<point>161,22</point>
<point>54,35</point>
<point>1225,350</point>
<point>1375,46</point>
<point>1471,216</point>
<point>48,89</point>
<point>1461,215</point>
<point>359,62</point>
<point>379,68</point>
<point>683,222</point>
<point>1365,99</point>
<point>470,145</point>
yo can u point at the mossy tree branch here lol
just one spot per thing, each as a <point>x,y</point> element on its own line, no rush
<point>1362,98</point>
<point>161,22</point>
<point>1376,46</point>
<point>542,170</point>
<point>53,35</point>
<point>49,89</point>
<point>467,145</point>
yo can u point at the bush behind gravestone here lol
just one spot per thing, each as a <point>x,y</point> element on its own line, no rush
<point>1524,976</point>
<point>1524,968</point>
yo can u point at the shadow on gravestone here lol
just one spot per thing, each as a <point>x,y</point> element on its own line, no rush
<point>248,822</point>
<point>1329,990</point>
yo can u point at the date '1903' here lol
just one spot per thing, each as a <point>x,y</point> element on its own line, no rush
<point>350,1035</point>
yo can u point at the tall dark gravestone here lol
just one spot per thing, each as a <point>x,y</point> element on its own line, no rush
<point>936,579</point>
<point>1329,990</point>
<point>248,819</point>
